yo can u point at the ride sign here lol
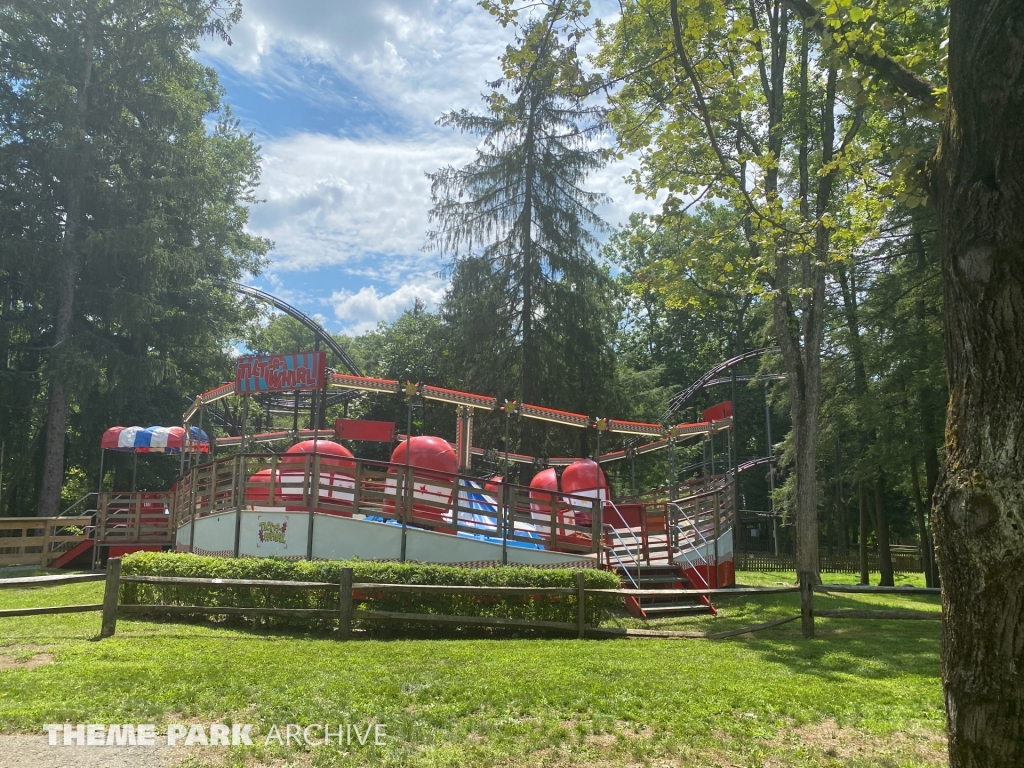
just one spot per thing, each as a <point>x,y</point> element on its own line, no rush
<point>280,373</point>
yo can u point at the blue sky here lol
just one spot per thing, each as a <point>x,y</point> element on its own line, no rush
<point>342,96</point>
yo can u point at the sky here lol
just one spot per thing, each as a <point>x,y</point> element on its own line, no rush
<point>343,96</point>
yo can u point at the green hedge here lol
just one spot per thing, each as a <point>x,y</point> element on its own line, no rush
<point>539,607</point>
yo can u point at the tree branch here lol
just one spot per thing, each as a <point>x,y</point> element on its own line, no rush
<point>890,70</point>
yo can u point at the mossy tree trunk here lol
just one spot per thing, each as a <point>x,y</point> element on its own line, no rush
<point>978,515</point>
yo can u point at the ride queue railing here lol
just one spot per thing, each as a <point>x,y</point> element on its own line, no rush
<point>324,483</point>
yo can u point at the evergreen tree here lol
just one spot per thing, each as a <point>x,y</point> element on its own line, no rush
<point>127,208</point>
<point>520,228</point>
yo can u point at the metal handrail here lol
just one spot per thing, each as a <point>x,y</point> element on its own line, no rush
<point>86,496</point>
<point>625,525</point>
<point>693,523</point>
<point>612,552</point>
<point>682,552</point>
<point>693,568</point>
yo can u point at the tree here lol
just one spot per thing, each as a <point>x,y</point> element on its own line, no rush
<point>128,204</point>
<point>520,226</point>
<point>979,505</point>
<point>720,99</point>
<point>979,528</point>
<point>687,310</point>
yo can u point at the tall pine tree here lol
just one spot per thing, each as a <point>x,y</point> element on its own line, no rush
<point>520,228</point>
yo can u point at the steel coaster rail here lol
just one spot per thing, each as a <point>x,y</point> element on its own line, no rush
<point>680,399</point>
<point>303,318</point>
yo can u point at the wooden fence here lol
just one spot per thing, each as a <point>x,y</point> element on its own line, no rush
<point>904,560</point>
<point>53,581</point>
<point>346,611</point>
<point>39,540</point>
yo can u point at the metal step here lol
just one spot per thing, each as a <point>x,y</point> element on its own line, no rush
<point>675,609</point>
<point>661,571</point>
<point>662,580</point>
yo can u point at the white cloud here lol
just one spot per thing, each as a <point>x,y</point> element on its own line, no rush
<point>355,205</point>
<point>361,311</point>
<point>334,202</point>
<point>416,57</point>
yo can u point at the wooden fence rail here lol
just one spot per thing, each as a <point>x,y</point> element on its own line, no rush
<point>50,581</point>
<point>39,540</point>
<point>350,592</point>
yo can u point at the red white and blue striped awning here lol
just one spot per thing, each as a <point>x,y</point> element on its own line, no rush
<point>154,440</point>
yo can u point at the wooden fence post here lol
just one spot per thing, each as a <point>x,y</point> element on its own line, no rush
<point>807,603</point>
<point>581,603</point>
<point>357,488</point>
<point>44,558</point>
<point>345,604</point>
<point>110,597</point>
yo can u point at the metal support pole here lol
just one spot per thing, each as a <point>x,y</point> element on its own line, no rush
<point>503,517</point>
<point>313,404</point>
<point>135,468</point>
<point>716,500</point>
<point>96,517</point>
<point>314,467</point>
<point>632,474</point>
<point>507,473</point>
<point>192,509</point>
<point>199,439</point>
<point>240,478</point>
<point>671,468</point>
<point>712,443</point>
<point>771,471</point>
<point>245,419</point>
<point>238,490</point>
<point>314,496</point>
<point>734,437</point>
<point>704,464</point>
<point>408,479</point>
<point>184,448</point>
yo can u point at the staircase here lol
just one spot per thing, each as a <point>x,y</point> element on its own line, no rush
<point>640,549</point>
<point>664,576</point>
<point>70,554</point>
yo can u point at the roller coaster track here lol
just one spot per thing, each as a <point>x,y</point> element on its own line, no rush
<point>303,318</point>
<point>680,399</point>
<point>756,463</point>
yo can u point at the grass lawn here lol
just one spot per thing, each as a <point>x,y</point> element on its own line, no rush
<point>863,693</point>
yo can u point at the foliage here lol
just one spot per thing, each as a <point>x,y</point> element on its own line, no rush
<point>128,185</point>
<point>539,609</point>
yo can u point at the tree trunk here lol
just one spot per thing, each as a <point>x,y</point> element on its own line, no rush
<point>922,529</point>
<point>840,507</point>
<point>978,516</point>
<point>530,359</point>
<point>882,533</point>
<point>862,539</point>
<point>57,407</point>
